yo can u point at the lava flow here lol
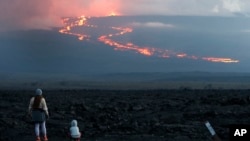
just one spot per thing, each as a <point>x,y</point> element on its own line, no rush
<point>71,23</point>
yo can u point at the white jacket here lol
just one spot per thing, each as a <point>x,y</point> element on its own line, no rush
<point>74,130</point>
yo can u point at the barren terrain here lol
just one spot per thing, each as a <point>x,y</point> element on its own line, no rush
<point>107,115</point>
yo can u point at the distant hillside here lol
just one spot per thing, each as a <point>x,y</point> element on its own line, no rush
<point>177,76</point>
<point>171,80</point>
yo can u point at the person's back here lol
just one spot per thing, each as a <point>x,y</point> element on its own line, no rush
<point>38,110</point>
<point>74,131</point>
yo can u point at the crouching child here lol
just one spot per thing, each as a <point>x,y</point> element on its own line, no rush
<point>74,133</point>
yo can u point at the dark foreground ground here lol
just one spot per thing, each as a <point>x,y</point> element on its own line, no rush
<point>145,115</point>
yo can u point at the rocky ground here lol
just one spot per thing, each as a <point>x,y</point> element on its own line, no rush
<point>111,115</point>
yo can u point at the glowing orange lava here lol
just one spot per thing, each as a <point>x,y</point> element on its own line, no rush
<point>81,21</point>
<point>147,51</point>
<point>113,14</point>
<point>224,60</point>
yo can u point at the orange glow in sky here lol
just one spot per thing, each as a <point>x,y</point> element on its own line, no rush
<point>114,14</point>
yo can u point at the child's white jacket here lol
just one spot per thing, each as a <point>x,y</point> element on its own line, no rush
<point>74,130</point>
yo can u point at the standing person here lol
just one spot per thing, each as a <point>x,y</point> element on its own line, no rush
<point>39,111</point>
<point>74,132</point>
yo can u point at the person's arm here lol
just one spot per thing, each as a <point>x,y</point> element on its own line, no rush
<point>30,105</point>
<point>44,106</point>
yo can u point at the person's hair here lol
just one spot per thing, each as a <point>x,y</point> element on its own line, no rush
<point>37,101</point>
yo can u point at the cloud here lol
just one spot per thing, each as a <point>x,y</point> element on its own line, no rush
<point>232,8</point>
<point>216,9</point>
<point>153,25</point>
<point>232,5</point>
<point>16,14</point>
<point>44,14</point>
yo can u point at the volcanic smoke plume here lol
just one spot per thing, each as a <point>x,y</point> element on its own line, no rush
<point>45,14</point>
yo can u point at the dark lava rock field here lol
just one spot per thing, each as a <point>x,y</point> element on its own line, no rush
<point>128,115</point>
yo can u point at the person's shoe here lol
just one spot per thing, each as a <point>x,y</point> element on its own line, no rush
<point>45,138</point>
<point>38,139</point>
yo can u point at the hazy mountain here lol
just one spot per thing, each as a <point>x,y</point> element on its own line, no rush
<point>49,52</point>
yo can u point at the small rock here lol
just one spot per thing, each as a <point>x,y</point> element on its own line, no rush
<point>137,108</point>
